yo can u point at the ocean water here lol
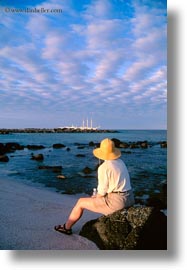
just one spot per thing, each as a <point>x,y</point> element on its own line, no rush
<point>147,167</point>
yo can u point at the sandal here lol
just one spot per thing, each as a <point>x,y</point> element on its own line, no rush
<point>62,229</point>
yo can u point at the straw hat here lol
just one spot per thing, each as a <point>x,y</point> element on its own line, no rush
<point>107,150</point>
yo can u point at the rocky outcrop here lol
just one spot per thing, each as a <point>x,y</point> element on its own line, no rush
<point>136,228</point>
<point>10,147</point>
<point>138,144</point>
<point>56,130</point>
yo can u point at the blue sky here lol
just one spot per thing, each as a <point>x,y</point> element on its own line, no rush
<point>105,60</point>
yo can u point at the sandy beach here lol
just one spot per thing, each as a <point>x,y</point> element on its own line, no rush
<point>28,215</point>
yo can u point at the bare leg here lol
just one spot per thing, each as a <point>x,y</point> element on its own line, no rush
<point>77,211</point>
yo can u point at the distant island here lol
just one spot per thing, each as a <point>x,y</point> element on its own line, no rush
<point>87,127</point>
<point>56,130</point>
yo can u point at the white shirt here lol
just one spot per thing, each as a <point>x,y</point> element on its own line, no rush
<point>113,176</point>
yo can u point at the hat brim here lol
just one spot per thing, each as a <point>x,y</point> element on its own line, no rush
<point>106,156</point>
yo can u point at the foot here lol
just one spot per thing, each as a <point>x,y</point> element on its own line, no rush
<point>62,229</point>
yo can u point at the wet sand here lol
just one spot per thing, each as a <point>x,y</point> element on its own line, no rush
<point>28,215</point>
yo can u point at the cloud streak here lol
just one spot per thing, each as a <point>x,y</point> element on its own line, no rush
<point>102,57</point>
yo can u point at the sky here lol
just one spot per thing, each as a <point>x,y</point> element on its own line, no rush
<point>62,62</point>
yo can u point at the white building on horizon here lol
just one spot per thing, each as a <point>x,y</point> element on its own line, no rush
<point>85,125</point>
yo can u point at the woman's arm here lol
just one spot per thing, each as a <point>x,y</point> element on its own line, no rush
<point>103,180</point>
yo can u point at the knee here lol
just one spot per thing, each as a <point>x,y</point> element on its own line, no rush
<point>80,203</point>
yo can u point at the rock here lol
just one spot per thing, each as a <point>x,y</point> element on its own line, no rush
<point>136,228</point>
<point>35,147</point>
<point>133,146</point>
<point>163,144</point>
<point>80,155</point>
<point>12,146</point>
<point>87,170</point>
<point>144,145</point>
<point>4,158</point>
<point>124,145</point>
<point>116,142</point>
<point>52,168</point>
<point>4,132</point>
<point>91,143</point>
<point>38,157</point>
<point>2,149</point>
<point>61,177</point>
<point>80,147</point>
<point>58,145</point>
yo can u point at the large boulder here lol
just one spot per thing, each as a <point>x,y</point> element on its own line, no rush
<point>136,228</point>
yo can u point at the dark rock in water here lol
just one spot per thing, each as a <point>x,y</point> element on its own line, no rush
<point>2,149</point>
<point>52,168</point>
<point>35,147</point>
<point>163,144</point>
<point>136,228</point>
<point>97,145</point>
<point>116,142</point>
<point>13,146</point>
<point>91,143</point>
<point>80,147</point>
<point>61,177</point>
<point>4,132</point>
<point>38,157</point>
<point>124,145</point>
<point>58,145</point>
<point>10,147</point>
<point>134,146</point>
<point>144,145</point>
<point>80,155</point>
<point>87,170</point>
<point>4,158</point>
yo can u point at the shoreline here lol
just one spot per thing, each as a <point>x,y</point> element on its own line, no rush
<point>28,215</point>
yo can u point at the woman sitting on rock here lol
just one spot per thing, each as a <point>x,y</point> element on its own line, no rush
<point>114,190</point>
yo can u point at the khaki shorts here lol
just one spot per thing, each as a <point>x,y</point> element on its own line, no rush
<point>112,202</point>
